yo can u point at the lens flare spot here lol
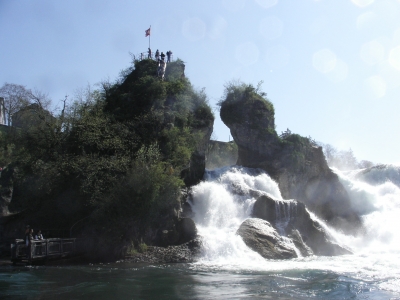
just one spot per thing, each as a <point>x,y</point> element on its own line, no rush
<point>372,52</point>
<point>394,57</point>
<point>377,85</point>
<point>339,72</point>
<point>266,3</point>
<point>324,60</point>
<point>218,28</point>
<point>396,36</point>
<point>362,3</point>
<point>271,28</point>
<point>194,29</point>
<point>247,53</point>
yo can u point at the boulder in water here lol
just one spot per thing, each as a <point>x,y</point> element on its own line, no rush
<point>262,238</point>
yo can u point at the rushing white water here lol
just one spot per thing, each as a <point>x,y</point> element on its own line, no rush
<point>220,205</point>
<point>224,200</point>
<point>378,203</point>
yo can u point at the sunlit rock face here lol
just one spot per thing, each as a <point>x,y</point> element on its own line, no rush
<point>294,162</point>
<point>262,238</point>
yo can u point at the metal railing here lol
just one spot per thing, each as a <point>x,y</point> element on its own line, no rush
<point>145,55</point>
<point>41,250</point>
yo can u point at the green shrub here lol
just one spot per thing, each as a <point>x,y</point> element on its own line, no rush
<point>238,95</point>
<point>142,248</point>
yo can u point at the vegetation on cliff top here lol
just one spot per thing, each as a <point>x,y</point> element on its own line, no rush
<point>116,154</point>
<point>237,96</point>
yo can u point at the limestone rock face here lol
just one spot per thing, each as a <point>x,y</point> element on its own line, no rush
<point>306,234</point>
<point>298,166</point>
<point>262,238</point>
<point>299,243</point>
<point>251,124</point>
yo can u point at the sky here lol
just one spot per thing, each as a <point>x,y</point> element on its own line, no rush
<point>330,67</point>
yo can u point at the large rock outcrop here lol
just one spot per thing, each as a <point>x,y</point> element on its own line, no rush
<point>295,221</point>
<point>262,238</point>
<point>293,161</point>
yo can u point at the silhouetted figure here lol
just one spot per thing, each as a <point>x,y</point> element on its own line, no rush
<point>162,56</point>
<point>183,69</point>
<point>169,53</point>
<point>149,53</point>
<point>157,55</point>
<point>27,230</point>
<point>29,239</point>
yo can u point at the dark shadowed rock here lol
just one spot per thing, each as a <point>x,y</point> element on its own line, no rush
<point>299,243</point>
<point>264,208</point>
<point>314,235</point>
<point>187,230</point>
<point>195,172</point>
<point>6,190</point>
<point>178,232</point>
<point>262,238</point>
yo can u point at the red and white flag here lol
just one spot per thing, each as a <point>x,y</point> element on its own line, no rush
<point>147,32</point>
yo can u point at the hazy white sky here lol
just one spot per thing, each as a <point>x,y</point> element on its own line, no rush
<point>330,67</point>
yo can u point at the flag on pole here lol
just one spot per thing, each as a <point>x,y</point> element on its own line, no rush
<point>147,32</point>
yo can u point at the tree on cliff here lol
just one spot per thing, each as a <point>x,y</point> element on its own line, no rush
<point>15,97</point>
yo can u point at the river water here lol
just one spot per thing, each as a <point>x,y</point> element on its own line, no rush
<point>227,269</point>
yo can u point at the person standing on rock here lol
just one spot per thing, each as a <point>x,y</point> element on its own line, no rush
<point>157,55</point>
<point>169,53</point>
<point>149,54</point>
<point>162,56</point>
<point>183,70</point>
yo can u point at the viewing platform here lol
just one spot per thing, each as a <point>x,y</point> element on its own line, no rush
<point>43,250</point>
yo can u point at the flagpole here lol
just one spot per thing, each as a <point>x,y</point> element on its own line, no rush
<point>149,37</point>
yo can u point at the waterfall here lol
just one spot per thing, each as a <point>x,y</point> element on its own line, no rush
<point>285,210</point>
<point>222,202</point>
<point>375,195</point>
<point>226,197</point>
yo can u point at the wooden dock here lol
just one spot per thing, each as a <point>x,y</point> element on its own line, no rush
<point>42,250</point>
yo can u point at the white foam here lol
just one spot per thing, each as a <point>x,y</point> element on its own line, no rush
<point>223,202</point>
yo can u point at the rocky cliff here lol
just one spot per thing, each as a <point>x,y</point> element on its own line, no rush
<point>295,162</point>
